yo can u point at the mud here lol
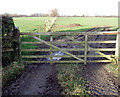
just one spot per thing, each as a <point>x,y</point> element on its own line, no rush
<point>36,80</point>
<point>100,81</point>
<point>70,25</point>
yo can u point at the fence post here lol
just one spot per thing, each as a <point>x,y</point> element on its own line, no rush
<point>44,28</point>
<point>39,31</point>
<point>85,52</point>
<point>51,50</point>
<point>19,48</point>
<point>117,46</point>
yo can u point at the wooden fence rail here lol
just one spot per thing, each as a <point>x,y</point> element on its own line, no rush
<point>72,33</point>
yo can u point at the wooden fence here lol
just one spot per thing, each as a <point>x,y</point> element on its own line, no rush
<point>66,51</point>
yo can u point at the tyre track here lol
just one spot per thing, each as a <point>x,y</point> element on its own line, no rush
<point>37,80</point>
<point>100,82</point>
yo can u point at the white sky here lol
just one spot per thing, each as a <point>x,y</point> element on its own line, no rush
<point>65,7</point>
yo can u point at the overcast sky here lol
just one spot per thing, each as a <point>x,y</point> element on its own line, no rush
<point>65,7</point>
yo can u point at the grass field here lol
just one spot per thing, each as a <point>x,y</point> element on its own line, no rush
<point>31,24</point>
<point>87,22</point>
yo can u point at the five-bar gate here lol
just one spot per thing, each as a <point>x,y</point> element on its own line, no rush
<point>74,51</point>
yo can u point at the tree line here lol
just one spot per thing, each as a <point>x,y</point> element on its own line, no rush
<point>52,13</point>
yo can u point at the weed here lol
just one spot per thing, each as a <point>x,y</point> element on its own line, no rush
<point>11,72</point>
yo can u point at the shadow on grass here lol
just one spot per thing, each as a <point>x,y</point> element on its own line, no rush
<point>85,29</point>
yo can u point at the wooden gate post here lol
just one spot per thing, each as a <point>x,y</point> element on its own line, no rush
<point>117,46</point>
<point>19,47</point>
<point>85,52</point>
<point>51,50</point>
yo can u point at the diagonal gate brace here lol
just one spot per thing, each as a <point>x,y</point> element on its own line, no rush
<point>91,48</point>
<point>47,43</point>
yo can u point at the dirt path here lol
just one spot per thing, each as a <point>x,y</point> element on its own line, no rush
<point>37,80</point>
<point>100,82</point>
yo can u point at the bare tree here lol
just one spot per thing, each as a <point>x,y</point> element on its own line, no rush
<point>54,12</point>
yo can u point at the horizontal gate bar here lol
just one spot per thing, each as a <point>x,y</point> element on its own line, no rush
<point>62,42</point>
<point>54,61</point>
<point>56,42</point>
<point>90,61</point>
<point>114,41</point>
<point>68,42</point>
<point>47,56</point>
<point>31,43</point>
<point>35,50</point>
<point>71,33</point>
<point>68,61</point>
<point>101,49</point>
<point>89,49</point>
<point>53,49</point>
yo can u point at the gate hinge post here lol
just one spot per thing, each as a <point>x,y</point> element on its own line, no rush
<point>117,46</point>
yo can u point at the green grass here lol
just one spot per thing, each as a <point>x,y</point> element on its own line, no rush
<point>31,24</point>
<point>71,79</point>
<point>87,22</point>
<point>11,72</point>
<point>113,68</point>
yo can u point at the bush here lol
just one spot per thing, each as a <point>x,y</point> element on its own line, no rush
<point>10,36</point>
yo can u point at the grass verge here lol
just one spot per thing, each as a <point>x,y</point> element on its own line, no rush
<point>11,72</point>
<point>114,68</point>
<point>71,79</point>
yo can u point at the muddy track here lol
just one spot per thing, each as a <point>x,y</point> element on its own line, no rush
<point>100,81</point>
<point>36,80</point>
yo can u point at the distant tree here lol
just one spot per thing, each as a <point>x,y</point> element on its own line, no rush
<point>37,15</point>
<point>74,15</point>
<point>47,15</point>
<point>83,15</point>
<point>54,13</point>
<point>14,15</point>
<point>6,14</point>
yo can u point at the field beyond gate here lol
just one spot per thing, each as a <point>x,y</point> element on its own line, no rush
<point>70,50</point>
